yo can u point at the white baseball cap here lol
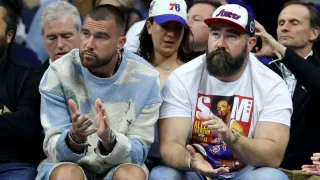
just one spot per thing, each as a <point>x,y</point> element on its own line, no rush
<point>169,10</point>
<point>234,15</point>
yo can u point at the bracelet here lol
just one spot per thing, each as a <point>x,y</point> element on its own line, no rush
<point>113,139</point>
<point>237,137</point>
<point>75,140</point>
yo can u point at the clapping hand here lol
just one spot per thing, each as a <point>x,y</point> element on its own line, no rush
<point>102,122</point>
<point>80,123</point>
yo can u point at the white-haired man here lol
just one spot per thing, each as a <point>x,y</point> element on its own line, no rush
<point>60,27</point>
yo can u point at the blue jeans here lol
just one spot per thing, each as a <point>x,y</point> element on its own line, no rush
<point>247,173</point>
<point>18,171</point>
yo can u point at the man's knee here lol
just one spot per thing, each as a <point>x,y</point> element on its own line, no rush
<point>265,173</point>
<point>67,172</point>
<point>131,172</point>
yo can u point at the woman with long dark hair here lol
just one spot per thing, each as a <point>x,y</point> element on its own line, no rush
<point>164,37</point>
<point>162,43</point>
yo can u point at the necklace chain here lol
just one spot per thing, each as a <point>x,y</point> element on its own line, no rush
<point>168,68</point>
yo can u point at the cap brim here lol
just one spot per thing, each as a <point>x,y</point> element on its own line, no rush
<point>210,21</point>
<point>170,17</point>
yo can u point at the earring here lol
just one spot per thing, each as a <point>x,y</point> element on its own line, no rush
<point>119,55</point>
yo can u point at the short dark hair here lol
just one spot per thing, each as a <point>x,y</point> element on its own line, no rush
<point>314,17</point>
<point>11,18</point>
<point>108,12</point>
<point>146,45</point>
<point>213,3</point>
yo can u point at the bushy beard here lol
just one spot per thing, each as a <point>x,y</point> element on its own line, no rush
<point>220,63</point>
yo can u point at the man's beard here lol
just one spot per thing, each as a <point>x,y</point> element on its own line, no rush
<point>97,62</point>
<point>220,63</point>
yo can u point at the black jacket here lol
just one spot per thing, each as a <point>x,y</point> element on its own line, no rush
<point>305,121</point>
<point>21,134</point>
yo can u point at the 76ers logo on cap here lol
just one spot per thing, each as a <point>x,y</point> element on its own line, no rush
<point>174,5</point>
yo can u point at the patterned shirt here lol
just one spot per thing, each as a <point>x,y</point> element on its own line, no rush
<point>131,98</point>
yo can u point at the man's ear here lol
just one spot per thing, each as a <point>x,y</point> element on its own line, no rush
<point>10,36</point>
<point>252,41</point>
<point>121,42</point>
<point>314,33</point>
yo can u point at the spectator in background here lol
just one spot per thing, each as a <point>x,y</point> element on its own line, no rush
<point>34,40</point>
<point>242,3</point>
<point>165,36</point>
<point>138,5</point>
<point>316,4</point>
<point>131,16</point>
<point>126,7</point>
<point>20,129</point>
<point>313,169</point>
<point>162,42</point>
<point>30,4</point>
<point>198,40</point>
<point>106,130</point>
<point>25,55</point>
<point>60,28</point>
<point>188,115</point>
<point>83,6</point>
<point>202,9</point>
<point>133,36</point>
<point>299,65</point>
<point>117,3</point>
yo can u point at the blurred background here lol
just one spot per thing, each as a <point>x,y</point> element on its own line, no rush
<point>30,45</point>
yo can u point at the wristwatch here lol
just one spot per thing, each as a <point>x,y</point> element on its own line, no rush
<point>236,135</point>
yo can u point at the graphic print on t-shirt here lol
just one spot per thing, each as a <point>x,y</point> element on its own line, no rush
<point>236,111</point>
